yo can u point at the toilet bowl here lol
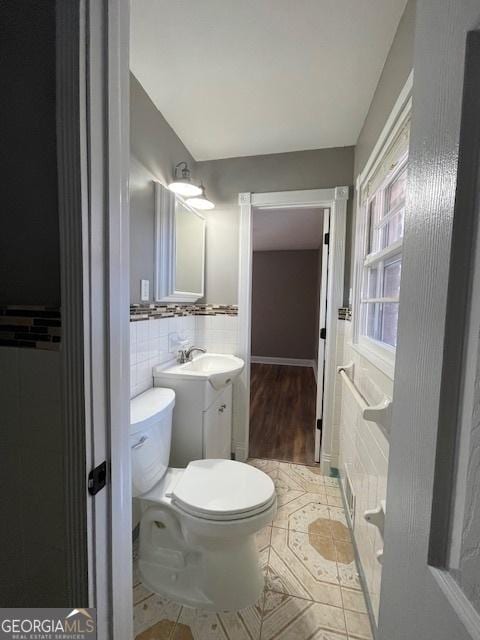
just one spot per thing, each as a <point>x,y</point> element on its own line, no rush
<point>198,525</point>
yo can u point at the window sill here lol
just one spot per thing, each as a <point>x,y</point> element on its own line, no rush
<point>384,364</point>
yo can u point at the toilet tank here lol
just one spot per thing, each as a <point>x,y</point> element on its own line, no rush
<point>150,437</point>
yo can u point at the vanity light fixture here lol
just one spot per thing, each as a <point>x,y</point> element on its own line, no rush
<point>201,201</point>
<point>182,183</point>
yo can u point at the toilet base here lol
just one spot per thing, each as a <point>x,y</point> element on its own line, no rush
<point>223,576</point>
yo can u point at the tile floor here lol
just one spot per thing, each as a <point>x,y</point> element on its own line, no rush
<point>312,588</point>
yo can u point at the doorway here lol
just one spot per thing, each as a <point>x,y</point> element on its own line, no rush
<point>287,359</point>
<point>334,201</point>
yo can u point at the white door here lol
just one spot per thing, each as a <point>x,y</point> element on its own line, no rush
<point>431,576</point>
<point>322,335</point>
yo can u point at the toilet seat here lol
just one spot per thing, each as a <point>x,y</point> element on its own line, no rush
<point>223,490</point>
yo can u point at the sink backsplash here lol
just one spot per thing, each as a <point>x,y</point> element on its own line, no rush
<point>213,327</point>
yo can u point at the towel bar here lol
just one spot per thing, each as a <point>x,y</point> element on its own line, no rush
<point>380,413</point>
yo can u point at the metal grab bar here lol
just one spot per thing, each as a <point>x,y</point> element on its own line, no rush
<point>380,413</point>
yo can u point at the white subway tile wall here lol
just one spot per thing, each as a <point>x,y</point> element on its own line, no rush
<point>151,342</point>
<point>362,453</point>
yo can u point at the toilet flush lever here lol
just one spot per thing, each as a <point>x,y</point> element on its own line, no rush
<point>140,443</point>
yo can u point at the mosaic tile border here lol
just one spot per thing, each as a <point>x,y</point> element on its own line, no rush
<point>31,327</point>
<point>345,313</point>
<point>146,311</point>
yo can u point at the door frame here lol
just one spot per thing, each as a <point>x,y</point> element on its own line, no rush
<point>93,152</point>
<point>334,199</point>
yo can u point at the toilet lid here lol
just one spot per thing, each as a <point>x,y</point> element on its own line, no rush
<point>223,488</point>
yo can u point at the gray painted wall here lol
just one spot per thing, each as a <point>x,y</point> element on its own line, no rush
<point>156,149</point>
<point>142,224</point>
<point>397,68</point>
<point>32,527</point>
<point>225,179</point>
<point>29,240</point>
<point>285,293</point>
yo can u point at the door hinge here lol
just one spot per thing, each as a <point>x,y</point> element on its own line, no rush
<point>319,423</point>
<point>326,238</point>
<point>97,478</point>
<point>323,333</point>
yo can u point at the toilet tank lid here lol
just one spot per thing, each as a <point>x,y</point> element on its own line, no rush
<point>149,404</point>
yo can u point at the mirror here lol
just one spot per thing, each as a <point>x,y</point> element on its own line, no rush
<point>179,249</point>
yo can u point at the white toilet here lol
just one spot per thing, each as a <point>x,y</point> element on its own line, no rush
<point>198,525</point>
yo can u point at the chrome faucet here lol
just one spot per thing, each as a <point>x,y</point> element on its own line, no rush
<point>185,355</point>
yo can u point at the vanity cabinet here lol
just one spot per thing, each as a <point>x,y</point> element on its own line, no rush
<point>202,419</point>
<point>217,427</point>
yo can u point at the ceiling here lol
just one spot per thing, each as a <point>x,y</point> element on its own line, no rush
<point>287,229</point>
<point>251,77</point>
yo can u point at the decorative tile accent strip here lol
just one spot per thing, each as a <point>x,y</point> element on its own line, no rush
<point>145,311</point>
<point>32,327</point>
<point>345,313</point>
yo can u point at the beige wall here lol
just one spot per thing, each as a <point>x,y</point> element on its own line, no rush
<point>285,292</point>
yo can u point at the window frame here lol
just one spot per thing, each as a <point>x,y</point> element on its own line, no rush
<point>382,257</point>
<point>380,354</point>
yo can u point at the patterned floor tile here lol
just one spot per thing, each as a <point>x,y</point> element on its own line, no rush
<point>286,487</point>
<point>304,566</point>
<point>289,618</point>
<point>194,624</point>
<point>267,466</point>
<point>347,566</point>
<point>358,625</point>
<point>155,613</point>
<point>140,593</point>
<point>263,545</point>
<point>310,517</point>
<point>312,585</point>
<point>307,478</point>
<point>354,600</point>
<point>333,490</point>
<point>334,501</point>
<point>339,526</point>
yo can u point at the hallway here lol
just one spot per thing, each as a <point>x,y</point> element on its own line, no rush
<point>282,413</point>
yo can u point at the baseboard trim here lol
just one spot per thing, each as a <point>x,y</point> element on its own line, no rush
<point>239,451</point>
<point>291,362</point>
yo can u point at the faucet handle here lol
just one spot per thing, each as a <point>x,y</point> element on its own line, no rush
<point>182,356</point>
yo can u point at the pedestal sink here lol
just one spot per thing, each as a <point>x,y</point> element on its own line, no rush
<point>219,369</point>
<point>202,417</point>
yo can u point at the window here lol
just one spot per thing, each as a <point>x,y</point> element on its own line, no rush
<point>382,260</point>
<point>381,194</point>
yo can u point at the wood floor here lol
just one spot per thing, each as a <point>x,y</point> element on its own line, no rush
<point>282,413</point>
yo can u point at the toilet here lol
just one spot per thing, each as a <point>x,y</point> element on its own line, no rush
<point>197,527</point>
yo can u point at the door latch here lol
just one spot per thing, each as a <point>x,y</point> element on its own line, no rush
<point>97,478</point>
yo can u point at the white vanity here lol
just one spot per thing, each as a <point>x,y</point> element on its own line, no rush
<point>202,419</point>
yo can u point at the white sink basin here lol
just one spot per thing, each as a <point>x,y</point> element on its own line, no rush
<point>219,369</point>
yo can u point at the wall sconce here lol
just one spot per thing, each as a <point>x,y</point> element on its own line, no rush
<point>182,183</point>
<point>201,201</point>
